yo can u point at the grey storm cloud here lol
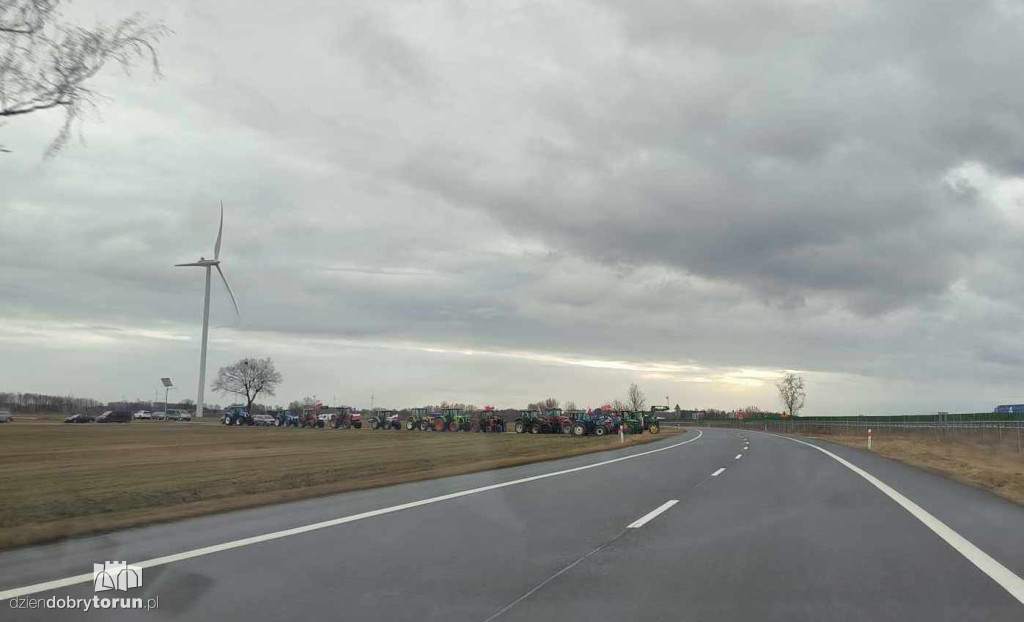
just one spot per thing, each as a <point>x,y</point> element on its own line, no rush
<point>808,185</point>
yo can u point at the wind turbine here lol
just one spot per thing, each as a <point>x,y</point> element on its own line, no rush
<point>209,264</point>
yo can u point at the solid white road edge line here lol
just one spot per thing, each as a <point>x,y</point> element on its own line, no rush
<point>234,544</point>
<point>996,571</point>
<point>643,520</point>
<point>718,472</point>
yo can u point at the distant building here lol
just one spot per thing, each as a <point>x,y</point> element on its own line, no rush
<point>1009,409</point>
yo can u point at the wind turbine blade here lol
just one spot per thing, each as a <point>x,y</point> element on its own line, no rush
<point>230,293</point>
<point>220,232</point>
<point>182,265</point>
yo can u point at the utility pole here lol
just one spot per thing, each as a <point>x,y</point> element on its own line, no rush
<point>371,400</point>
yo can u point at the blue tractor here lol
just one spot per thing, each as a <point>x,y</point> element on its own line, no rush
<point>236,415</point>
<point>285,419</point>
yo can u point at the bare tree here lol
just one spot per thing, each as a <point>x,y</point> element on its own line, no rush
<point>635,398</point>
<point>619,406</point>
<point>570,405</point>
<point>46,63</point>
<point>248,378</point>
<point>791,392</point>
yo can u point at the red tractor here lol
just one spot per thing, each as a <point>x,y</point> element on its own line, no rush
<point>557,421</point>
<point>488,421</point>
<point>345,419</point>
<point>552,421</point>
<point>311,416</point>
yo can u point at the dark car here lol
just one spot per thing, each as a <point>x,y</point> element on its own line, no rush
<point>5,416</point>
<point>115,416</point>
<point>80,418</point>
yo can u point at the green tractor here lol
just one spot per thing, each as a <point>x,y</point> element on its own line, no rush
<point>651,419</point>
<point>452,420</point>
<point>637,422</point>
<point>418,419</point>
<point>531,421</point>
<point>631,422</point>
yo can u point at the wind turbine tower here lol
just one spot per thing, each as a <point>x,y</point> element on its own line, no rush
<point>209,264</point>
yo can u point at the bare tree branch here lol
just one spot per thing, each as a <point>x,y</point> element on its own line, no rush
<point>47,64</point>
<point>635,398</point>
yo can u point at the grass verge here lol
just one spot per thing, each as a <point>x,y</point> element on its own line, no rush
<point>62,480</point>
<point>986,466</point>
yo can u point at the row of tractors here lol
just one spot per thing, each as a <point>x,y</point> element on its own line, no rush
<point>551,421</point>
<point>584,423</point>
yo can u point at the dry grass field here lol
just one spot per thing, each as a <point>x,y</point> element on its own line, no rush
<point>60,480</point>
<point>995,466</point>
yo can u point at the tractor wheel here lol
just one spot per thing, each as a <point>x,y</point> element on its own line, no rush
<point>439,425</point>
<point>520,427</point>
<point>453,426</point>
<point>566,428</point>
<point>239,421</point>
<point>654,428</point>
<point>424,426</point>
<point>475,427</point>
<point>600,430</point>
<point>346,424</point>
<point>536,428</point>
<point>579,430</point>
<point>374,424</point>
<point>499,428</point>
<point>410,425</point>
<point>320,424</point>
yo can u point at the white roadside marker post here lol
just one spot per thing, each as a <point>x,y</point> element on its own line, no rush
<point>869,439</point>
<point>622,436</point>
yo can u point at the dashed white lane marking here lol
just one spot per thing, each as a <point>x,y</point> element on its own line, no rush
<point>718,472</point>
<point>235,544</point>
<point>738,456</point>
<point>996,571</point>
<point>643,520</point>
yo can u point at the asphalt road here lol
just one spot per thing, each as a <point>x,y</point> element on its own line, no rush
<point>786,532</point>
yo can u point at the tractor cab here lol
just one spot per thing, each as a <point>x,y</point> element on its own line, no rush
<point>557,421</point>
<point>417,420</point>
<point>488,421</point>
<point>452,420</point>
<point>311,416</point>
<point>384,419</point>
<point>345,418</point>
<point>531,421</point>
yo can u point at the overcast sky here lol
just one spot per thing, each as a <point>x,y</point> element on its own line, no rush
<point>494,202</point>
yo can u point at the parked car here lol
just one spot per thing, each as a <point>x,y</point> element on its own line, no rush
<point>142,414</point>
<point>159,416</point>
<point>266,420</point>
<point>80,418</point>
<point>6,416</point>
<point>178,415</point>
<point>115,416</point>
